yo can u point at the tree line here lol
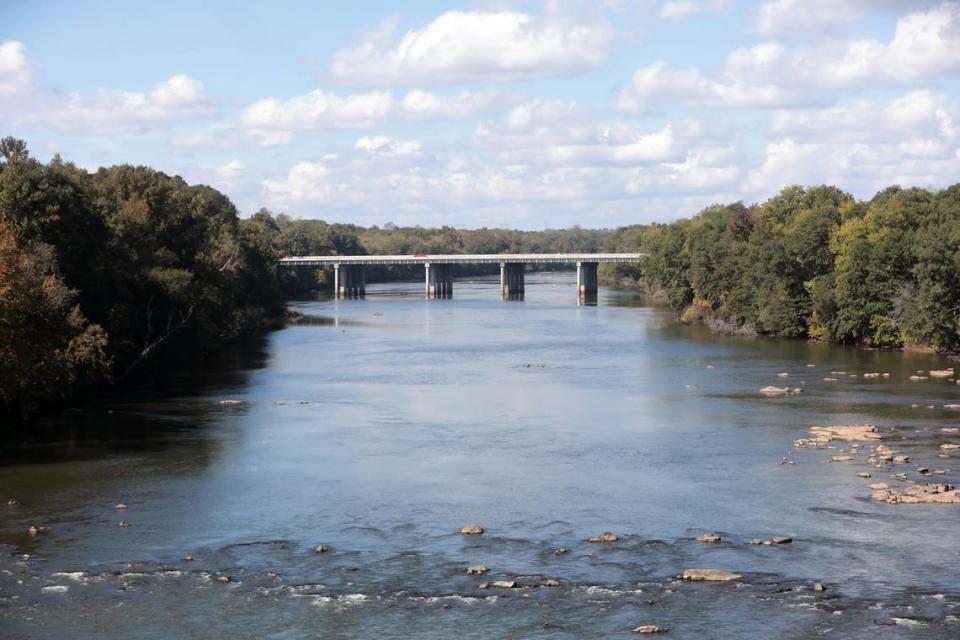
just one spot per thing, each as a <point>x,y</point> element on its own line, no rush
<point>813,263</point>
<point>109,274</point>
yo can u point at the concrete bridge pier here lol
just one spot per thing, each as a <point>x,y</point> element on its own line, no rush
<point>511,279</point>
<point>587,280</point>
<point>439,280</point>
<point>349,281</point>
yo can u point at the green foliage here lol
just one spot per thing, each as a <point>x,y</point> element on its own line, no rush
<point>137,269</point>
<point>814,262</point>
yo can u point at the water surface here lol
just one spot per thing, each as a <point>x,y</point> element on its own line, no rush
<point>388,423</point>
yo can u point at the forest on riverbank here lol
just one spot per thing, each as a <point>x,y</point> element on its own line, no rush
<point>107,275</point>
<point>813,263</point>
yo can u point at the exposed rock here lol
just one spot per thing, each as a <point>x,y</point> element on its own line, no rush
<point>223,579</point>
<point>863,474</point>
<point>783,374</point>
<point>819,587</point>
<point>321,548</point>
<point>650,628</point>
<point>477,570</point>
<point>503,584</point>
<point>472,530</point>
<point>951,406</point>
<point>560,551</point>
<point>781,540</point>
<point>232,403</point>
<point>902,477</point>
<point>950,446</point>
<point>932,493</point>
<point>124,523</point>
<point>709,538</point>
<point>923,471</point>
<point>940,373</point>
<point>606,536</point>
<point>780,391</point>
<point>901,459</point>
<point>878,486</point>
<point>120,506</point>
<point>830,379</point>
<point>709,575</point>
<point>846,432</point>
<point>841,458</point>
<point>756,541</point>
<point>550,582</point>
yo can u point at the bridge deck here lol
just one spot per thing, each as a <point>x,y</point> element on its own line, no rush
<point>486,258</point>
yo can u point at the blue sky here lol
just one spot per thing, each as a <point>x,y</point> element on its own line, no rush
<point>521,114</point>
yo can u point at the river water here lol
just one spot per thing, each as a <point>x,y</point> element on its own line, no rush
<point>384,425</point>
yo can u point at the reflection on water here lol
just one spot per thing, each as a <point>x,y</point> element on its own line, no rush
<point>381,426</point>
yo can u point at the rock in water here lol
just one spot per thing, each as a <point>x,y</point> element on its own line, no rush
<point>650,628</point>
<point>472,530</point>
<point>930,493</point>
<point>709,575</point>
<point>321,548</point>
<point>504,584</point>
<point>780,391</point>
<point>477,569</point>
<point>781,540</point>
<point>819,587</point>
<point>709,538</point>
<point>606,536</point>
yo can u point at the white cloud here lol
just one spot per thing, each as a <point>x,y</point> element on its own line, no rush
<point>681,9</point>
<point>106,112</point>
<point>618,145</point>
<point>14,72</point>
<point>460,45</point>
<point>272,121</point>
<point>920,113</point>
<point>305,182</point>
<point>789,17</point>
<point>385,145</point>
<point>860,167</point>
<point>925,44</point>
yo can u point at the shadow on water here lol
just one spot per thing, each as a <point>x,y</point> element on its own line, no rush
<point>155,412</point>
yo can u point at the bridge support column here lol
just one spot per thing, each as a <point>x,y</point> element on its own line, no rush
<point>586,280</point>
<point>350,281</point>
<point>439,280</point>
<point>511,279</point>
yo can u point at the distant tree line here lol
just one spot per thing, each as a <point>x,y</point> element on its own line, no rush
<point>815,263</point>
<point>105,275</point>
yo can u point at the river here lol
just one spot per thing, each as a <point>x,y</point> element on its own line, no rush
<point>384,425</point>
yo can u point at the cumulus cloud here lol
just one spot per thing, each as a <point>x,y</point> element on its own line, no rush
<point>273,121</point>
<point>768,75</point>
<point>681,9</point>
<point>112,111</point>
<point>385,145</point>
<point>304,182</point>
<point>789,17</point>
<point>919,113</point>
<point>470,45</point>
<point>14,72</point>
<point>106,112</point>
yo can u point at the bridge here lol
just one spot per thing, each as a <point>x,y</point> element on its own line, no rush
<point>349,276</point>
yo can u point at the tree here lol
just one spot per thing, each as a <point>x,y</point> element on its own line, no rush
<point>46,344</point>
